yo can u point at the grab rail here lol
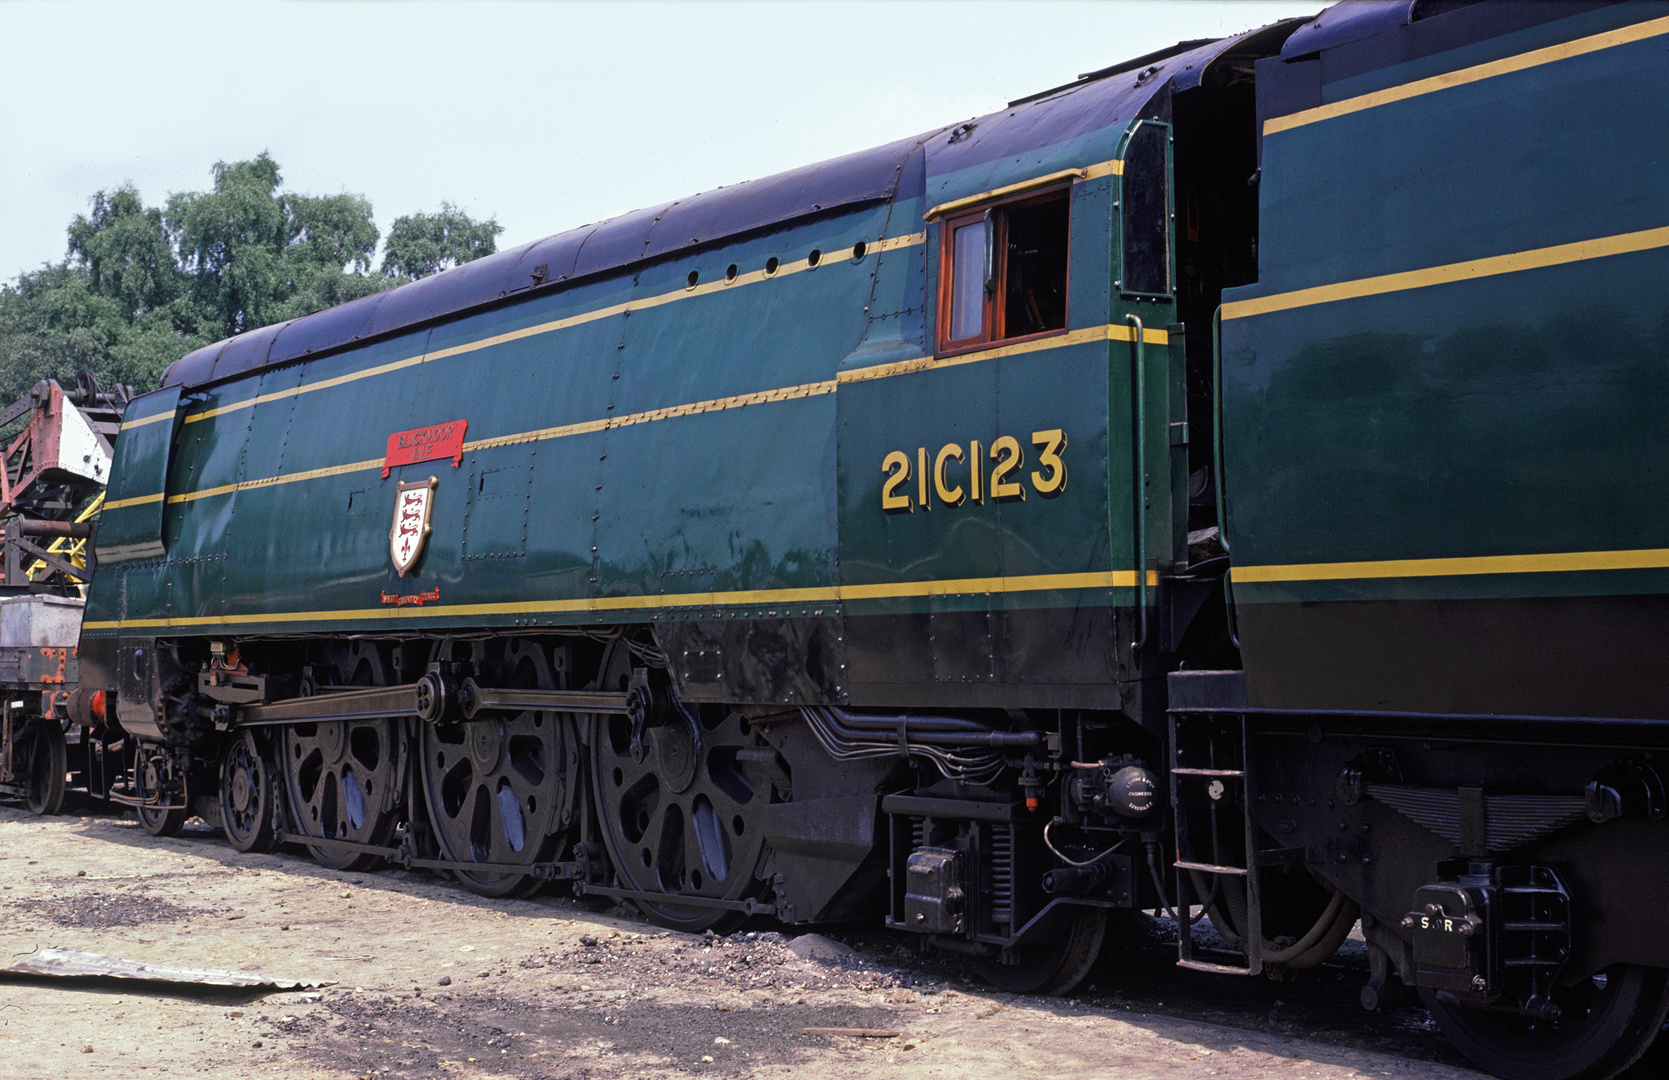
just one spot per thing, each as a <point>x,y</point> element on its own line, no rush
<point>1141,476</point>
<point>1217,466</point>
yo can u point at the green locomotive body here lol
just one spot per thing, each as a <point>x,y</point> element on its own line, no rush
<point>698,440</point>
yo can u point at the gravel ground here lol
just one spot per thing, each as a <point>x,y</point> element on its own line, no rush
<point>427,980</point>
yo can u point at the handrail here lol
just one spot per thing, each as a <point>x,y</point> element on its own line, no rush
<point>1140,500</point>
<point>1217,467</point>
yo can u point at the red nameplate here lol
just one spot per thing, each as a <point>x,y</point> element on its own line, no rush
<point>426,444</point>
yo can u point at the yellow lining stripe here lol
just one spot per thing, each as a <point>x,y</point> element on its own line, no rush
<point>1007,189</point>
<point>142,421</point>
<point>1030,583</point>
<point>1111,332</point>
<point>1566,562</point>
<point>1477,73</point>
<point>1090,172</point>
<point>137,500</point>
<point>1534,259</point>
<point>884,244</point>
<point>1114,332</point>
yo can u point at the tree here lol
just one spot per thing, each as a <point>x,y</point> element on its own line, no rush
<point>249,250</point>
<point>126,252</point>
<point>423,244</point>
<point>53,324</point>
<point>142,286</point>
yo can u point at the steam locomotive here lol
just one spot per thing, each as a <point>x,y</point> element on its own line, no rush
<point>1229,482</point>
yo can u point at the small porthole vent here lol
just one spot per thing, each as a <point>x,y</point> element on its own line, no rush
<point>690,282</point>
<point>730,273</point>
<point>814,258</point>
<point>859,250</point>
<point>771,265</point>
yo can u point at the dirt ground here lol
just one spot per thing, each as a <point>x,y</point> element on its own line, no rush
<point>427,980</point>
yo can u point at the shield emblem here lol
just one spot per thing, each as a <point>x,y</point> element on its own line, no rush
<point>412,503</point>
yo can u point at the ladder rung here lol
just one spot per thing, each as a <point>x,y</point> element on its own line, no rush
<point>1208,772</point>
<point>1534,926</point>
<point>1211,869</point>
<point>1221,969</point>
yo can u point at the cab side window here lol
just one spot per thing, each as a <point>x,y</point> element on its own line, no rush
<point>1004,272</point>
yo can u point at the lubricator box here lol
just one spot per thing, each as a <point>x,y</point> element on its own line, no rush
<point>1451,942</point>
<point>933,896</point>
<point>40,621</point>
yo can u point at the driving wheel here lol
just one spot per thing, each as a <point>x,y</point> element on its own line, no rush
<point>500,788</point>
<point>680,799</point>
<point>160,790</point>
<point>342,778</point>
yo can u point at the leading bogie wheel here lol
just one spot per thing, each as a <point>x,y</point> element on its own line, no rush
<point>161,792</point>
<point>680,806</point>
<point>46,762</point>
<point>1605,1023</point>
<point>500,788</point>
<point>249,796</point>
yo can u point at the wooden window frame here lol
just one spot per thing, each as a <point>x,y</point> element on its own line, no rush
<point>993,313</point>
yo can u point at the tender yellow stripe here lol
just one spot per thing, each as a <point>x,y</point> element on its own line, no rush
<point>143,420</point>
<point>1534,259</point>
<point>1565,562</point>
<point>137,500</point>
<point>1505,66</point>
<point>1111,332</point>
<point>832,256</point>
<point>751,598</point>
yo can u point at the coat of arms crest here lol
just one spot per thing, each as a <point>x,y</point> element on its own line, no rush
<point>412,503</point>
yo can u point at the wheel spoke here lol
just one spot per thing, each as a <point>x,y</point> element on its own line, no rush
<point>670,852</point>
<point>512,826</point>
<point>710,841</point>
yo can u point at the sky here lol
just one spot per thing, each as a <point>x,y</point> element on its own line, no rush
<point>542,115</point>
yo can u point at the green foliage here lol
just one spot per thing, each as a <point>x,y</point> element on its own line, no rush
<point>53,323</point>
<point>423,244</point>
<point>254,255</point>
<point>126,252</point>
<point>143,286</point>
